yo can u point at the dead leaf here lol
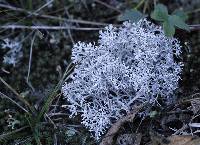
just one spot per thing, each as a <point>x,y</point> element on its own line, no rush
<point>183,140</point>
<point>174,140</point>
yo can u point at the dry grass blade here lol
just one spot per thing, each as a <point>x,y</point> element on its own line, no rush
<point>17,95</point>
<point>5,96</point>
<point>10,134</point>
<point>29,63</point>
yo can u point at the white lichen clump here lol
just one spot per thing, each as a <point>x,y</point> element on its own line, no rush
<point>130,65</point>
<point>15,51</point>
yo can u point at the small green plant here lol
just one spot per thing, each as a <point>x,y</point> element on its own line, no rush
<point>169,22</point>
<point>160,13</point>
<point>132,15</point>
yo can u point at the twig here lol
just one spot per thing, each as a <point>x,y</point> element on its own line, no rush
<point>13,101</point>
<point>194,27</point>
<point>52,17</point>
<point>51,121</point>
<point>48,27</point>
<point>108,6</point>
<point>58,114</point>
<point>109,137</point>
<point>73,20</point>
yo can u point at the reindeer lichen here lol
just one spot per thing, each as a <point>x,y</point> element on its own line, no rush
<point>130,65</point>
